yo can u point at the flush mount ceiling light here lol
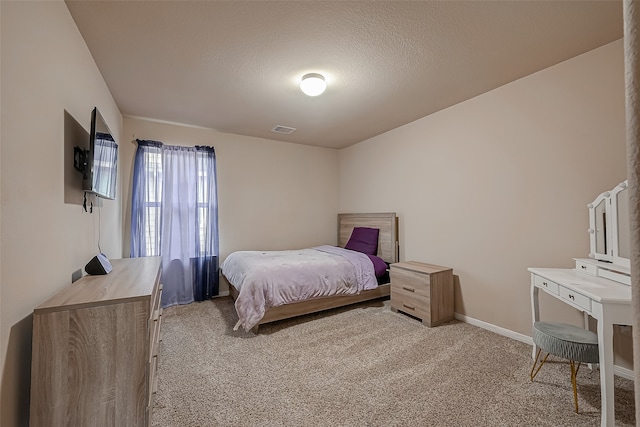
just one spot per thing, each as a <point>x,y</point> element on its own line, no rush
<point>313,84</point>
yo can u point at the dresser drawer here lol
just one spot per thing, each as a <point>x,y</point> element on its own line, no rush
<point>154,343</point>
<point>156,298</point>
<point>153,380</point>
<point>547,284</point>
<point>575,298</point>
<point>155,322</point>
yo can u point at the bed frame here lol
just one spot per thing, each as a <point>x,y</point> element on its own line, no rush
<point>387,223</point>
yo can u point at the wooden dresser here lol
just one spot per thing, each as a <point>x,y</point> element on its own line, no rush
<point>95,349</point>
<point>422,290</point>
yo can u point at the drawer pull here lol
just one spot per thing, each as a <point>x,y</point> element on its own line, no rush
<point>572,297</point>
<point>545,284</point>
<point>406,288</point>
<point>584,267</point>
<point>408,306</point>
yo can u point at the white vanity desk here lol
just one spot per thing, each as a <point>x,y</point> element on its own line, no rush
<point>606,301</point>
<point>598,286</point>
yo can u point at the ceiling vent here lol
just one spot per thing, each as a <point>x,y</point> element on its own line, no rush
<point>283,129</point>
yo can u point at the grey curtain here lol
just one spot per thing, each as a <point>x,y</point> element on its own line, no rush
<point>631,12</point>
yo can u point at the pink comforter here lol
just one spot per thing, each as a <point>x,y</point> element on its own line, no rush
<point>273,278</point>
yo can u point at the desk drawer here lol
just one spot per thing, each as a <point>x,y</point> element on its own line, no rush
<point>547,284</point>
<point>587,268</point>
<point>575,298</point>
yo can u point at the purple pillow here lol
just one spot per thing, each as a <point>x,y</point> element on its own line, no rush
<point>379,266</point>
<point>363,239</point>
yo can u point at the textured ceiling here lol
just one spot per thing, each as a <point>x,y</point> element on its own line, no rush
<point>234,66</point>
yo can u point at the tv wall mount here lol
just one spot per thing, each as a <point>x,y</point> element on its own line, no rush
<point>80,158</point>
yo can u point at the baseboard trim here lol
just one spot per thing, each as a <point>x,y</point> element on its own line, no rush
<point>617,370</point>
<point>493,328</point>
<point>623,372</point>
<point>222,294</point>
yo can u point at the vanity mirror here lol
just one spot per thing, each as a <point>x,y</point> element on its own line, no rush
<point>599,239</point>
<point>609,233</point>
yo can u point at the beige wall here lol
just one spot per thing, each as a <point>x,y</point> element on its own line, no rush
<point>271,195</point>
<point>501,182</point>
<point>46,70</point>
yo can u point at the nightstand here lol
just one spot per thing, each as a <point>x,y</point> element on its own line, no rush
<point>422,290</point>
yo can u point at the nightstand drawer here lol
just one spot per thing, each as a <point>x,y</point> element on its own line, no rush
<point>410,282</point>
<point>411,304</point>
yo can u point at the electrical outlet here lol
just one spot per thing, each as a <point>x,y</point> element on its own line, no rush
<point>76,275</point>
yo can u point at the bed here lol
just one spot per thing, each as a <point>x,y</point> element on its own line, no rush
<point>387,251</point>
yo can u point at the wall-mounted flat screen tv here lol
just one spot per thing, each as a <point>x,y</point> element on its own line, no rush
<point>102,159</point>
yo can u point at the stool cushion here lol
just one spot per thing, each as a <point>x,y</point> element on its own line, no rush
<point>566,341</point>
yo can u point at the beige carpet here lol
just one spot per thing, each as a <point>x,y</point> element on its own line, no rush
<point>361,366</point>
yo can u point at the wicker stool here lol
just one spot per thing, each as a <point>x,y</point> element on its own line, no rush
<point>566,341</point>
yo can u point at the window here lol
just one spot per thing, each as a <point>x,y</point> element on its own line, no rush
<point>152,202</point>
<point>175,215</point>
<point>150,179</point>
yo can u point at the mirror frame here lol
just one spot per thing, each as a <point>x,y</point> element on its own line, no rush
<point>611,227</point>
<point>616,258</point>
<point>594,231</point>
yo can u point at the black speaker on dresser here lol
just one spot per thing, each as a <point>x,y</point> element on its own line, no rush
<point>98,265</point>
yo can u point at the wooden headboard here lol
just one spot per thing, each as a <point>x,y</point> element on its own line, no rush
<point>387,223</point>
